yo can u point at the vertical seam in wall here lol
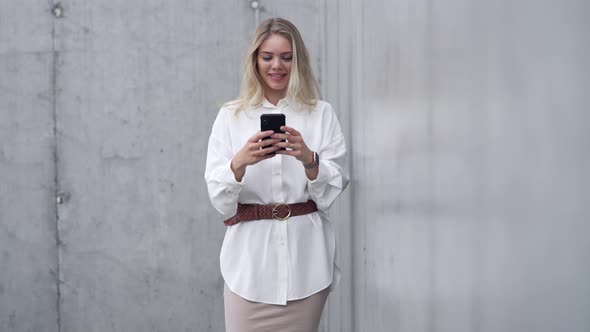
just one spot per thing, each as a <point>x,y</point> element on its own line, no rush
<point>321,52</point>
<point>349,118</point>
<point>364,224</point>
<point>354,98</point>
<point>429,39</point>
<point>55,58</point>
<point>321,59</point>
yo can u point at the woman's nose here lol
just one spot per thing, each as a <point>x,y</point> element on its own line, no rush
<point>276,64</point>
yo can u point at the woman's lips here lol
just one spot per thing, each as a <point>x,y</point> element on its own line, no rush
<point>277,77</point>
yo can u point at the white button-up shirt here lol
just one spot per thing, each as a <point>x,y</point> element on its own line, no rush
<point>273,261</point>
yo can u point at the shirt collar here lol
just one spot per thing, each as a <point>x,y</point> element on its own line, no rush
<point>281,104</point>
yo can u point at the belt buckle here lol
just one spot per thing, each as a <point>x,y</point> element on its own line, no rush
<point>275,211</point>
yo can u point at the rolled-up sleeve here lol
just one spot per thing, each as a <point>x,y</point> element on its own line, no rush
<point>221,184</point>
<point>333,176</point>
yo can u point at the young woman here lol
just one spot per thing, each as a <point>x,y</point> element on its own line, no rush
<point>274,189</point>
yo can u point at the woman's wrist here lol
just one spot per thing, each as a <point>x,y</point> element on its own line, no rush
<point>309,158</point>
<point>312,169</point>
<point>313,162</point>
<point>238,170</point>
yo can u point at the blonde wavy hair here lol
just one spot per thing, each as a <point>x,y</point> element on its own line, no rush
<point>302,86</point>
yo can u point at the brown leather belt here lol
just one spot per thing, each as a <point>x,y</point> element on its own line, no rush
<point>281,211</point>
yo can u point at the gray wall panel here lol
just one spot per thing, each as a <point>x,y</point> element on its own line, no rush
<point>336,43</point>
<point>28,257</point>
<point>467,128</point>
<point>28,254</point>
<point>468,135</point>
<point>140,86</point>
<point>27,27</point>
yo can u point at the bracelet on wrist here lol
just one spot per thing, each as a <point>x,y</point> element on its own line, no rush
<point>314,163</point>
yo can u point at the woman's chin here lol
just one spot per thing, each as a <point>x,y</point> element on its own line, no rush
<point>277,87</point>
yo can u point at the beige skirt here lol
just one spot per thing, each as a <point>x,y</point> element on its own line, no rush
<point>297,316</point>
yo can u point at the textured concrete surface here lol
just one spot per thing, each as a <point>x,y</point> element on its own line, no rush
<point>470,182</point>
<point>28,256</point>
<point>132,90</point>
<point>468,129</point>
<point>140,84</point>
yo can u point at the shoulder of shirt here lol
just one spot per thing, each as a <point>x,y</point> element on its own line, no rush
<point>324,107</point>
<point>228,108</point>
<point>230,105</point>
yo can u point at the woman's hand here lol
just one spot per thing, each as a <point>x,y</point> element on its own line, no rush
<point>295,143</point>
<point>297,148</point>
<point>255,150</point>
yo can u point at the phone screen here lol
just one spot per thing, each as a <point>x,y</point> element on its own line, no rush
<point>272,122</point>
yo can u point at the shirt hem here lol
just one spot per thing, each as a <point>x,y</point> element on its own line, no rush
<point>280,303</point>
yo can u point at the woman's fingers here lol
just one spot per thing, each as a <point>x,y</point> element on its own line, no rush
<point>270,150</point>
<point>290,130</point>
<point>264,143</point>
<point>260,135</point>
<point>287,145</point>
<point>288,137</point>
<point>267,144</point>
<point>294,144</point>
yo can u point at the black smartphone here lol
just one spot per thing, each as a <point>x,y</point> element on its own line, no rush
<point>272,121</point>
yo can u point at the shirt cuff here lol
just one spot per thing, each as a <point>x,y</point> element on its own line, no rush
<point>328,174</point>
<point>226,175</point>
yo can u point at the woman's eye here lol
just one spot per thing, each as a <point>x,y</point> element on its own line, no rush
<point>266,58</point>
<point>287,58</point>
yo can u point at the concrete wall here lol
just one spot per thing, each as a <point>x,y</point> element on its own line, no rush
<point>110,106</point>
<point>469,135</point>
<point>140,84</point>
<point>28,257</point>
<point>467,128</point>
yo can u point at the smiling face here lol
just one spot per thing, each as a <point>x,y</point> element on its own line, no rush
<point>274,60</point>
